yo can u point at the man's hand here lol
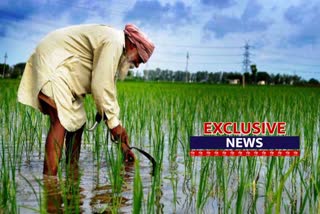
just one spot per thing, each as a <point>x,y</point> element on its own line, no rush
<point>119,134</point>
<point>127,153</point>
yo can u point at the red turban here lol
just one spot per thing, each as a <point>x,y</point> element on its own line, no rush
<point>144,46</point>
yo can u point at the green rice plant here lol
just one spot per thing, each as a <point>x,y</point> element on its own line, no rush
<point>174,184</point>
<point>255,191</point>
<point>8,201</point>
<point>137,189</point>
<point>38,194</point>
<point>204,189</point>
<point>222,183</point>
<point>158,155</point>
<point>269,184</point>
<point>281,186</point>
<point>115,172</point>
<point>173,135</point>
<point>63,193</point>
<point>240,189</point>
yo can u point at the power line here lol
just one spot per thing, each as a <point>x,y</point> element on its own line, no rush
<point>295,64</point>
<point>208,62</point>
<point>277,53</point>
<point>199,54</point>
<point>293,69</point>
<point>200,47</point>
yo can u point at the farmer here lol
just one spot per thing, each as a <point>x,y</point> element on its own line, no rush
<point>70,63</point>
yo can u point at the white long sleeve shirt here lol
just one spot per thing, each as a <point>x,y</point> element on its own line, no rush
<point>72,62</point>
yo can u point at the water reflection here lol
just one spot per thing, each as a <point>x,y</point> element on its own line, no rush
<point>66,196</point>
<point>87,189</point>
<point>63,196</point>
<point>52,194</point>
<point>105,200</point>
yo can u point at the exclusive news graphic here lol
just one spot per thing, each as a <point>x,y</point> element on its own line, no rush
<point>244,139</point>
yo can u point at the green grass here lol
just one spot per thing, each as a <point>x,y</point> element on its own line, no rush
<point>160,118</point>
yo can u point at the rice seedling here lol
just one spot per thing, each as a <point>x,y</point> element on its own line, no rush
<point>138,190</point>
<point>115,173</point>
<point>204,189</point>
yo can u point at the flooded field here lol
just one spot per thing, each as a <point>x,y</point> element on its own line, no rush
<point>160,118</point>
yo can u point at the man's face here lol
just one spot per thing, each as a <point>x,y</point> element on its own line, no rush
<point>133,57</point>
<point>124,66</point>
<point>130,60</point>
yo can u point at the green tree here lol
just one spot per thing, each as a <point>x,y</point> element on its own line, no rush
<point>254,71</point>
<point>4,69</point>
<point>17,70</point>
<point>263,76</point>
<point>248,78</point>
<point>313,81</point>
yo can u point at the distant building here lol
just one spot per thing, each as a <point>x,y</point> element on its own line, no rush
<point>234,82</point>
<point>261,82</point>
<point>291,82</point>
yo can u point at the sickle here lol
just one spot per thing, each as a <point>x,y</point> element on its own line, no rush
<point>147,155</point>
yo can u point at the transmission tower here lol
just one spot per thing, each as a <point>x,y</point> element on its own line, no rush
<point>246,61</point>
<point>246,57</point>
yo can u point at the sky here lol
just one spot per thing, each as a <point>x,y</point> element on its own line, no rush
<point>283,36</point>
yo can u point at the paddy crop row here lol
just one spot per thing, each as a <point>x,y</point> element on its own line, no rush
<point>160,118</point>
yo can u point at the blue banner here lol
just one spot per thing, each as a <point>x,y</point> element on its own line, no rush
<point>245,142</point>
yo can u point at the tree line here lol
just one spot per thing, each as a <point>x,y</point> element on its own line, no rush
<point>13,72</point>
<point>221,77</point>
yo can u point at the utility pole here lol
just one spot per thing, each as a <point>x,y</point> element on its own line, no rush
<point>146,72</point>
<point>4,64</point>
<point>187,62</point>
<point>246,61</point>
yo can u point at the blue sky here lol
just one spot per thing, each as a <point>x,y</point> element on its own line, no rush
<point>283,36</point>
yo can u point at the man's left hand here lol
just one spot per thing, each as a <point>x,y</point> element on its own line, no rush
<point>119,133</point>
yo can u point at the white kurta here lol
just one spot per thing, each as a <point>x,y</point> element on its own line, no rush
<point>71,62</point>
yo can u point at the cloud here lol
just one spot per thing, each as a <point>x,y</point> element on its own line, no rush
<point>24,23</point>
<point>17,10</point>
<point>76,10</point>
<point>154,14</point>
<point>218,3</point>
<point>252,10</point>
<point>249,21</point>
<point>295,15</point>
<point>12,13</point>
<point>305,19</point>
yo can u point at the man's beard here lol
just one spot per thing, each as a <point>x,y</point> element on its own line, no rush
<point>123,67</point>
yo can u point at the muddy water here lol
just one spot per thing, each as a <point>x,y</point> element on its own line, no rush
<point>94,188</point>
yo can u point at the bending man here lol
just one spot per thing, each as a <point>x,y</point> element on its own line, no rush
<point>70,63</point>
